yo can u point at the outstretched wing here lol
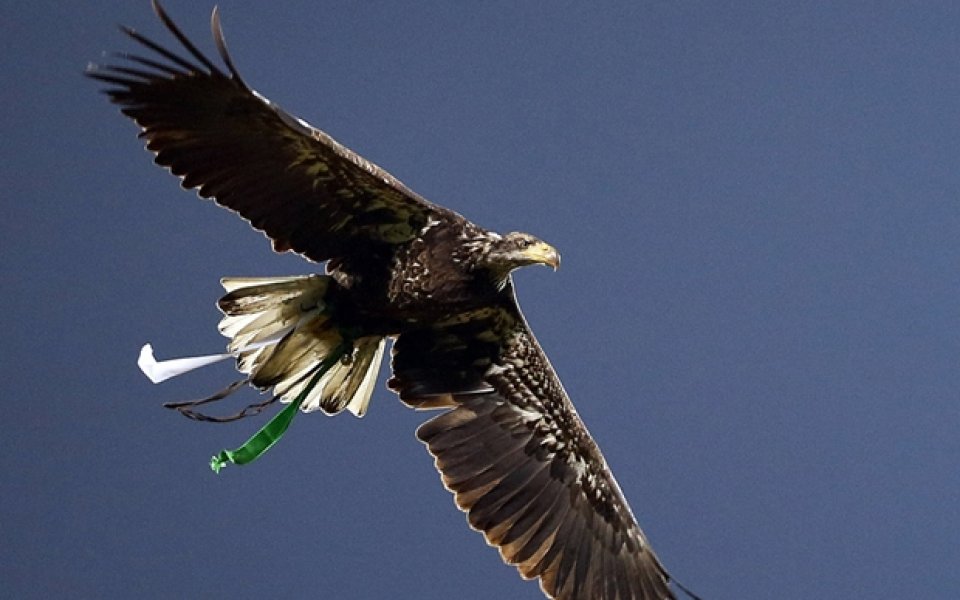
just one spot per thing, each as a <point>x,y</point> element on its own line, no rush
<point>520,461</point>
<point>307,192</point>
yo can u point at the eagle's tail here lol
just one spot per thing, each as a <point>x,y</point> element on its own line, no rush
<point>281,332</point>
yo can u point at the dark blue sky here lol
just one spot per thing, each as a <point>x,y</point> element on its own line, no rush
<point>757,314</point>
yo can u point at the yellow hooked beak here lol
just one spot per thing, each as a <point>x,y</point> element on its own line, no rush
<point>544,254</point>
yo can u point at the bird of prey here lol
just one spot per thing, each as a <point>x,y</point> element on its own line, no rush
<point>508,442</point>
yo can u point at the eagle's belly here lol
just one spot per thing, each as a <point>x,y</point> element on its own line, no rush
<point>404,306</point>
<point>420,286</point>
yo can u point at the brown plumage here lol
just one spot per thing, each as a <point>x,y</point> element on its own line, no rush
<point>509,443</point>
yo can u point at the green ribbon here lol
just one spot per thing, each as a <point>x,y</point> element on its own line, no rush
<point>271,433</point>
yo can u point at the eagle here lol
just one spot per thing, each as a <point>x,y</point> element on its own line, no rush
<point>508,442</point>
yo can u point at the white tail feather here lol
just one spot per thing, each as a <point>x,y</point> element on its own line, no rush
<point>280,332</point>
<point>361,399</point>
<point>232,283</point>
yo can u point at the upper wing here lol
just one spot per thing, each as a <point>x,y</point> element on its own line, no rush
<point>307,192</point>
<point>520,461</point>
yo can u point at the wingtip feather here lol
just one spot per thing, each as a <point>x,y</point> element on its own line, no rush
<point>220,40</point>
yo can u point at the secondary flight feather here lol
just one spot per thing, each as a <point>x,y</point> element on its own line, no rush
<point>508,442</point>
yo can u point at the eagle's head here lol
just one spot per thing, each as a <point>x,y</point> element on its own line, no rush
<point>505,253</point>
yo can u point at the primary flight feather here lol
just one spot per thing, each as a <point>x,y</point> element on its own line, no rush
<point>508,444</point>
